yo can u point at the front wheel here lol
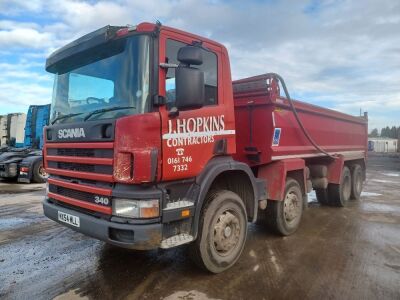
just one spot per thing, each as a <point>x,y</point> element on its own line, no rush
<point>39,173</point>
<point>222,232</point>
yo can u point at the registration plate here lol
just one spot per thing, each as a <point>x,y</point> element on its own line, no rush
<point>69,219</point>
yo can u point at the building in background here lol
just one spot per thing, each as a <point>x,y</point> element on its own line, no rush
<point>382,144</point>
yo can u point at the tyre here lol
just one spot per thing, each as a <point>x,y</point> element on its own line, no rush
<point>39,174</point>
<point>357,180</point>
<point>322,196</point>
<point>285,215</point>
<point>339,194</point>
<point>222,232</point>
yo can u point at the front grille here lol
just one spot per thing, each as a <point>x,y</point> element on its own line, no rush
<point>102,169</point>
<point>101,184</point>
<point>63,164</point>
<point>75,167</point>
<point>81,152</point>
<point>75,194</point>
<point>76,152</point>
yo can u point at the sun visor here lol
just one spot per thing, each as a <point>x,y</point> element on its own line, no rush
<point>61,59</point>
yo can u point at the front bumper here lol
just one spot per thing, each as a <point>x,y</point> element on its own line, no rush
<point>139,237</point>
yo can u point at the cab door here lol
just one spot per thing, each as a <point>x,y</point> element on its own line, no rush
<point>191,138</point>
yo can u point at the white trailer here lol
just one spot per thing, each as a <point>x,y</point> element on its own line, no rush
<point>17,129</point>
<point>382,144</point>
<point>3,131</point>
<point>12,130</point>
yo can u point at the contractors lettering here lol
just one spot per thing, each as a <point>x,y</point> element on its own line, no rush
<point>70,133</point>
<point>189,141</point>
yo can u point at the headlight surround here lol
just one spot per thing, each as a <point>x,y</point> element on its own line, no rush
<point>130,208</point>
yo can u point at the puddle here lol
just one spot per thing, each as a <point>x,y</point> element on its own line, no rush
<point>383,181</point>
<point>381,218</point>
<point>312,197</point>
<point>12,223</point>
<point>369,194</point>
<point>73,294</point>
<point>188,295</point>
<point>392,174</point>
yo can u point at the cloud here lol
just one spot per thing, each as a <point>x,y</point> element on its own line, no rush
<point>341,53</point>
<point>24,37</point>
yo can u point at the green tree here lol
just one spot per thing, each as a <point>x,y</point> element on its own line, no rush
<point>393,132</point>
<point>374,133</point>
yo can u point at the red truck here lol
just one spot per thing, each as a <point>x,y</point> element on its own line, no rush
<point>151,145</point>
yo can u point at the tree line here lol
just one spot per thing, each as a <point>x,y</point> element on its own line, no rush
<point>393,132</point>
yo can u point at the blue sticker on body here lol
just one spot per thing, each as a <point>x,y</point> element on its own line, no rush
<point>276,137</point>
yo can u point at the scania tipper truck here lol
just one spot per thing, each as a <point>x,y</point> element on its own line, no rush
<point>151,145</point>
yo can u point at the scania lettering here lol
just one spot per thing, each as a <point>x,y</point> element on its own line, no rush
<point>71,133</point>
<point>152,145</point>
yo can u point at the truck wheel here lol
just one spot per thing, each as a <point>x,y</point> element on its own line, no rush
<point>322,196</point>
<point>286,214</point>
<point>222,232</point>
<point>356,182</point>
<point>39,173</point>
<point>339,194</point>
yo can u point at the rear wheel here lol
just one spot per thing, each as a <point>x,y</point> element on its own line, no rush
<point>39,173</point>
<point>339,194</point>
<point>322,196</point>
<point>286,214</point>
<point>222,232</point>
<point>357,179</point>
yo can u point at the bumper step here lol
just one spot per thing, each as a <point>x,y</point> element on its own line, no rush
<point>176,240</point>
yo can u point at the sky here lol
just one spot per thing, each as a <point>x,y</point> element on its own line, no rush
<point>340,54</point>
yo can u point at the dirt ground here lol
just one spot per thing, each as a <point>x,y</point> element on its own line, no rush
<point>338,253</point>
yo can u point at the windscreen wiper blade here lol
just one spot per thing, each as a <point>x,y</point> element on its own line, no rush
<point>102,110</point>
<point>64,117</point>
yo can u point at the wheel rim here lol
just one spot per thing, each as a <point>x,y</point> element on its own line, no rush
<point>346,188</point>
<point>358,182</point>
<point>42,172</point>
<point>291,208</point>
<point>226,233</point>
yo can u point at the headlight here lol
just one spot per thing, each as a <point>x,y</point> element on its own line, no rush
<point>47,188</point>
<point>136,208</point>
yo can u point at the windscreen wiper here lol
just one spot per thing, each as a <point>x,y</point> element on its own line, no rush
<point>102,110</point>
<point>64,117</point>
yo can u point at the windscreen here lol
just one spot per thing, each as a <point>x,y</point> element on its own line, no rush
<point>109,81</point>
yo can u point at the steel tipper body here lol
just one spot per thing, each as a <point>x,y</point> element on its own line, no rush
<point>143,150</point>
<point>25,163</point>
<point>269,137</point>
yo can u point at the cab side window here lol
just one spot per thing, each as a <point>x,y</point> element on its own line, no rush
<point>209,67</point>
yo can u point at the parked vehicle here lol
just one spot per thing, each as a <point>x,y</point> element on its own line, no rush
<point>152,145</point>
<point>25,162</point>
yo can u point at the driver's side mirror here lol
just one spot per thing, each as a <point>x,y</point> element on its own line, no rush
<point>189,81</point>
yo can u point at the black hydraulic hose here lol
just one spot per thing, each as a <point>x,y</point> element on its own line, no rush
<point>280,79</point>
